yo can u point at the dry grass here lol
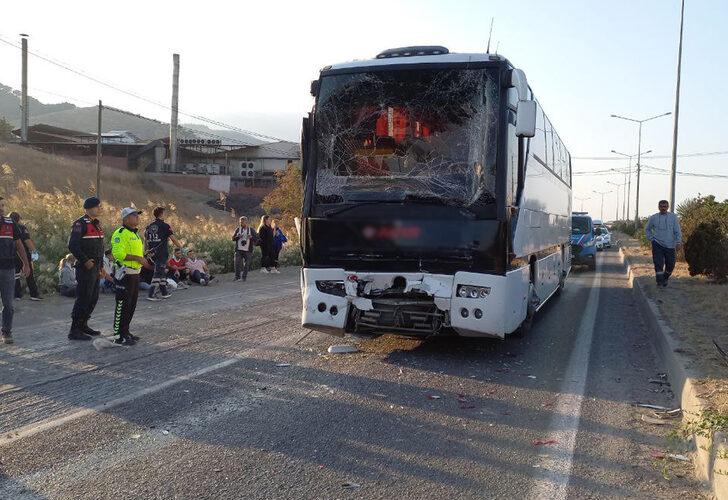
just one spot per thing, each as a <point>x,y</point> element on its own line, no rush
<point>697,310</point>
<point>119,187</point>
<point>48,192</point>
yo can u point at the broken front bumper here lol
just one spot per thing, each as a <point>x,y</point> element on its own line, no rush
<point>336,301</point>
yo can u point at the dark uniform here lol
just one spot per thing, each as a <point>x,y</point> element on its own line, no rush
<point>9,234</point>
<point>86,243</point>
<point>32,285</point>
<point>157,235</point>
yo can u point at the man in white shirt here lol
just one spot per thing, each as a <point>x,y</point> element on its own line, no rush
<point>244,238</point>
<point>663,230</point>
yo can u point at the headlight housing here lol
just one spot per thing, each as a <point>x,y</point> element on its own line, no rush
<point>331,287</point>
<point>473,292</point>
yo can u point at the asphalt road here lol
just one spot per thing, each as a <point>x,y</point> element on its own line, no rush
<point>222,399</point>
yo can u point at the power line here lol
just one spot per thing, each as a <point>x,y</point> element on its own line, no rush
<point>80,73</point>
<point>686,155</point>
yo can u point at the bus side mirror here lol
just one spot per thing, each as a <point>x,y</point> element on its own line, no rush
<point>314,88</point>
<point>526,119</point>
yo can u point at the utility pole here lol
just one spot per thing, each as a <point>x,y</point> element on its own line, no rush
<point>673,170</point>
<point>173,121</point>
<point>639,156</point>
<point>629,178</point>
<point>98,154</point>
<point>601,208</point>
<point>24,115</point>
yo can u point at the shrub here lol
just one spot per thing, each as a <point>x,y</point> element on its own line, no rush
<point>706,251</point>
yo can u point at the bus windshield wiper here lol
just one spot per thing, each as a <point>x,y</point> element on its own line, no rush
<point>339,210</point>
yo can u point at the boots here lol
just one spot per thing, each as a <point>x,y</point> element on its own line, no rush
<point>88,330</point>
<point>77,332</point>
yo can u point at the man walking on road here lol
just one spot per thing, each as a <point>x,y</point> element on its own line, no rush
<point>11,248</point>
<point>128,250</point>
<point>663,230</point>
<point>157,235</point>
<point>87,245</point>
<point>31,254</point>
<point>244,238</point>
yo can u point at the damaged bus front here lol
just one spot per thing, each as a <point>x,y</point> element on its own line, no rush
<point>406,221</point>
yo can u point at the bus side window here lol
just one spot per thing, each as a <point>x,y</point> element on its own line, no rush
<point>512,149</point>
<point>538,142</point>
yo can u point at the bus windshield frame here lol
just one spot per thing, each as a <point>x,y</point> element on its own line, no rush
<point>410,135</point>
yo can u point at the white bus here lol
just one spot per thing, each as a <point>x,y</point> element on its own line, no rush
<point>437,197</point>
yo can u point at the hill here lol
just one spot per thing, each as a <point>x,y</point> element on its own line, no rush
<point>10,105</point>
<point>84,119</point>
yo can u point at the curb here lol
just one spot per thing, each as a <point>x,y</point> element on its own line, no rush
<point>711,454</point>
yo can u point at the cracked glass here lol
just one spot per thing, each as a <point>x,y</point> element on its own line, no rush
<point>419,135</point>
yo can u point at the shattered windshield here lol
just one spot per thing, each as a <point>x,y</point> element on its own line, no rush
<point>579,225</point>
<point>421,135</point>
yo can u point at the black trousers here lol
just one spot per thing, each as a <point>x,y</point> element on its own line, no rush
<point>32,285</point>
<point>127,294</point>
<point>664,260</point>
<point>87,293</point>
<point>267,257</point>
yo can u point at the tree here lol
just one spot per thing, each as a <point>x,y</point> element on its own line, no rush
<point>287,196</point>
<point>6,130</point>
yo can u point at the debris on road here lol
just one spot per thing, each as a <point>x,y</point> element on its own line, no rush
<point>342,349</point>
<point>104,343</point>
<point>283,365</point>
<point>654,421</point>
<point>541,442</point>
<point>378,395</point>
<point>532,376</point>
<point>668,414</point>
<point>136,436</point>
<point>680,458</point>
<point>651,406</point>
<point>433,396</point>
<point>165,432</point>
<point>351,486</point>
<point>464,403</point>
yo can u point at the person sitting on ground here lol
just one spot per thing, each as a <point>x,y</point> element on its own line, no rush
<point>146,274</point>
<point>67,276</point>
<point>199,272</point>
<point>177,269</point>
<point>278,240</point>
<point>106,281</point>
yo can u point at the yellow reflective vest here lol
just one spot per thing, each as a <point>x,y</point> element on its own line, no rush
<point>126,241</point>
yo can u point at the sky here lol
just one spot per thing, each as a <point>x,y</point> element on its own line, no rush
<point>585,60</point>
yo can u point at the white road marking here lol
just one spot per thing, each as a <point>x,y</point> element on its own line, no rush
<point>555,467</point>
<point>35,428</point>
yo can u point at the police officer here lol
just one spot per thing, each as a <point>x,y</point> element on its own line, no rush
<point>87,245</point>
<point>11,247</point>
<point>157,235</point>
<point>128,250</point>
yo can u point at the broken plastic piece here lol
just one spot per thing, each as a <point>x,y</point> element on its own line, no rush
<point>540,442</point>
<point>342,349</point>
<point>432,396</point>
<point>351,486</point>
<point>283,365</point>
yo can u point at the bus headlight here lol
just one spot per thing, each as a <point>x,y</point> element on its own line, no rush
<point>332,287</point>
<point>473,292</point>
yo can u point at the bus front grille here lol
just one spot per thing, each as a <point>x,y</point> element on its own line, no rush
<point>418,317</point>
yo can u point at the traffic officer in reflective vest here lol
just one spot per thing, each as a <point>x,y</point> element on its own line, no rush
<point>11,248</point>
<point>87,245</point>
<point>128,250</point>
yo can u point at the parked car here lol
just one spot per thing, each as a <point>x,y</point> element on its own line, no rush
<point>583,240</point>
<point>606,237</point>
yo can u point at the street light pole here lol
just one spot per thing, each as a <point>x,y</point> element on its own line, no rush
<point>629,179</point>
<point>616,210</point>
<point>582,202</point>
<point>601,208</point>
<point>639,155</point>
<point>673,170</point>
